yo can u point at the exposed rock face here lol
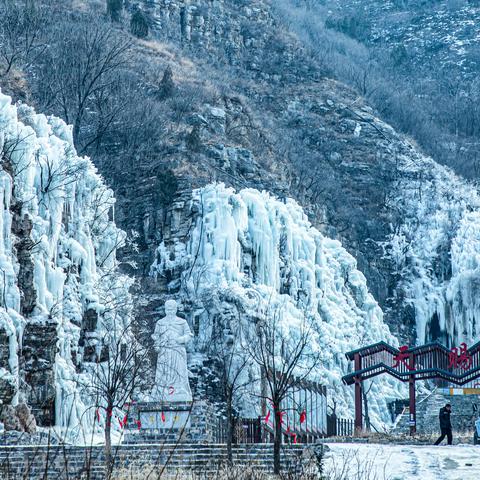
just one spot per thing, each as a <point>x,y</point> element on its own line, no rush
<point>7,389</point>
<point>18,418</point>
<point>22,229</point>
<point>26,418</point>
<point>9,418</point>
<point>207,25</point>
<point>39,350</point>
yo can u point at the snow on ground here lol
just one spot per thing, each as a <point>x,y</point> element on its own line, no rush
<point>402,462</point>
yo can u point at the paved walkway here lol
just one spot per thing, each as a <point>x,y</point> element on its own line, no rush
<point>353,461</point>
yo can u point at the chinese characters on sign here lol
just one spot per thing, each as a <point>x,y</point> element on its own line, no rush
<point>460,357</point>
<point>402,358</point>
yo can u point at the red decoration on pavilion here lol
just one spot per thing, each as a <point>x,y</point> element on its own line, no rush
<point>402,358</point>
<point>98,415</point>
<point>171,390</point>
<point>163,417</point>
<point>460,357</point>
<point>139,424</point>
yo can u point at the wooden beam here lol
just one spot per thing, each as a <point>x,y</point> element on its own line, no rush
<point>358,396</point>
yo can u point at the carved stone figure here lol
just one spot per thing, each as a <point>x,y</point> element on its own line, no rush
<point>170,338</point>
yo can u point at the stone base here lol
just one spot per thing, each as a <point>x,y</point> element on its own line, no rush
<point>463,418</point>
<point>157,422</point>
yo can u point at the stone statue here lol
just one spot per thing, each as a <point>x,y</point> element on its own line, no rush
<point>170,337</point>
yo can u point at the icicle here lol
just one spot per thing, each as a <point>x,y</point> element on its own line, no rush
<point>249,241</point>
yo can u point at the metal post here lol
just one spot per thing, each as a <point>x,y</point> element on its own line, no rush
<point>358,397</point>
<point>413,403</point>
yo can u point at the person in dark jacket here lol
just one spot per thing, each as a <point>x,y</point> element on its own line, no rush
<point>445,424</point>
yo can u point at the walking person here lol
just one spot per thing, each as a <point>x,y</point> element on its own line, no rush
<point>445,424</point>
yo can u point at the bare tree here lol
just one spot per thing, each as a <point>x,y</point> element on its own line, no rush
<point>21,40</point>
<point>79,74</point>
<point>285,361</point>
<point>116,378</point>
<point>228,349</point>
<point>365,392</point>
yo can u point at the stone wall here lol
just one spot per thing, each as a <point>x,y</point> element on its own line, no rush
<point>203,424</point>
<point>62,462</point>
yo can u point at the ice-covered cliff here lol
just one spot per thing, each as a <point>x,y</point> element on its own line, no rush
<point>250,245</point>
<point>435,247</point>
<point>60,290</point>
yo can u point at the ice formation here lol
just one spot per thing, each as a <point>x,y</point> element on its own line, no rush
<point>251,245</point>
<point>74,240</point>
<point>436,250</point>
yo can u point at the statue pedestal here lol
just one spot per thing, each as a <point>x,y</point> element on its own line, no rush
<point>168,422</point>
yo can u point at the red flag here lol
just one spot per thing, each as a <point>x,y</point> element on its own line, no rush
<point>267,418</point>
<point>303,416</point>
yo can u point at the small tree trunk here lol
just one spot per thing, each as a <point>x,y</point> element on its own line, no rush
<point>108,444</point>
<point>230,428</point>
<point>367,416</point>
<point>277,440</point>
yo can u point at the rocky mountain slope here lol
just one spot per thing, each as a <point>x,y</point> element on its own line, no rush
<point>347,168</point>
<point>426,51</point>
<point>445,33</point>
<point>401,215</point>
<point>234,96</point>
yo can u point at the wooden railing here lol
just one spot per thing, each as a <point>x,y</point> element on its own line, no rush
<point>425,362</point>
<point>339,427</point>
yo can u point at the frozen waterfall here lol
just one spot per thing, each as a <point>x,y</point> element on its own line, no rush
<point>250,241</point>
<point>67,206</point>
<point>435,249</point>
